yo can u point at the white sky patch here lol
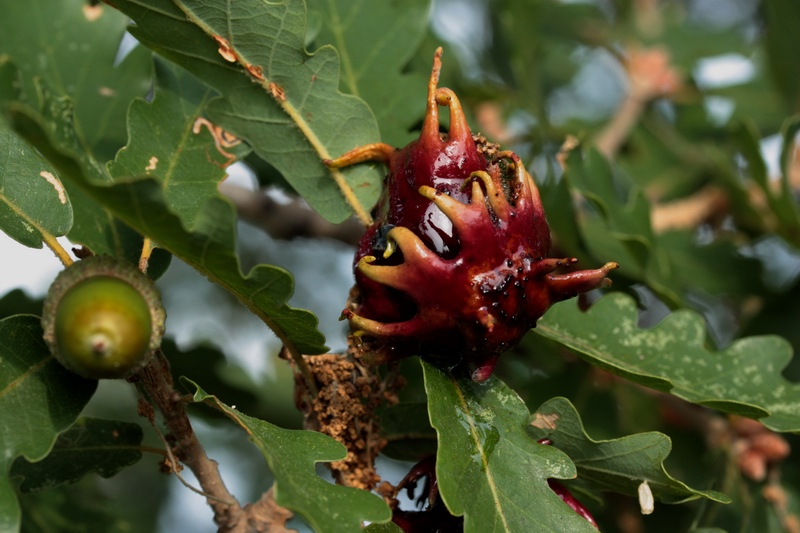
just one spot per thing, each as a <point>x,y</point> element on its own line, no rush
<point>723,71</point>
<point>241,175</point>
<point>719,109</point>
<point>125,47</point>
<point>771,152</point>
<point>32,270</point>
<point>152,165</point>
<point>52,180</point>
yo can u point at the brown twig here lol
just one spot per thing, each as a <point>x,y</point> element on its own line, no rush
<point>155,381</point>
<point>613,135</point>
<point>708,203</point>
<point>775,493</point>
<point>712,203</point>
<point>155,384</point>
<point>173,467</point>
<point>650,76</point>
<point>288,221</point>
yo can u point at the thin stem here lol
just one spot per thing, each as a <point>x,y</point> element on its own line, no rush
<point>57,249</point>
<point>155,380</point>
<point>147,250</point>
<point>153,450</point>
<point>304,369</point>
<point>173,466</point>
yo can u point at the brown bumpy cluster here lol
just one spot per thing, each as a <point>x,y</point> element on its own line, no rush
<point>455,267</point>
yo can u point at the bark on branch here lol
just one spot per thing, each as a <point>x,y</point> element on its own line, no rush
<point>288,221</point>
<point>155,382</point>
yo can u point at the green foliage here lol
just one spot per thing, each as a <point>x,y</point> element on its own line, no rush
<point>408,431</point>
<point>33,203</point>
<point>293,115</point>
<point>779,199</point>
<point>783,16</point>
<point>72,79</point>
<point>618,465</point>
<point>291,456</point>
<point>89,445</point>
<point>671,263</point>
<point>74,509</point>
<point>38,400</point>
<point>167,131</point>
<point>116,151</point>
<point>488,469</point>
<point>139,201</point>
<point>18,302</point>
<point>375,72</point>
<point>744,378</point>
<point>75,57</point>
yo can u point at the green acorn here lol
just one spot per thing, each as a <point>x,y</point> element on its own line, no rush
<point>103,318</point>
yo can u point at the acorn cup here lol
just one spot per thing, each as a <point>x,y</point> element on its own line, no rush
<point>103,318</point>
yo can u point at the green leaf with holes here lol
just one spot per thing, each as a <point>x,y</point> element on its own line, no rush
<point>72,48</point>
<point>744,378</point>
<point>61,61</point>
<point>139,202</point>
<point>170,141</point>
<point>282,100</point>
<point>34,205</point>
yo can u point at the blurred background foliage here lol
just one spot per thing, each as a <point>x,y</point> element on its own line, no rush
<point>679,121</point>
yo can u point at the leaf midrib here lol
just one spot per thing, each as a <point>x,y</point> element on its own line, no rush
<point>484,457</point>
<point>22,377</point>
<point>285,103</point>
